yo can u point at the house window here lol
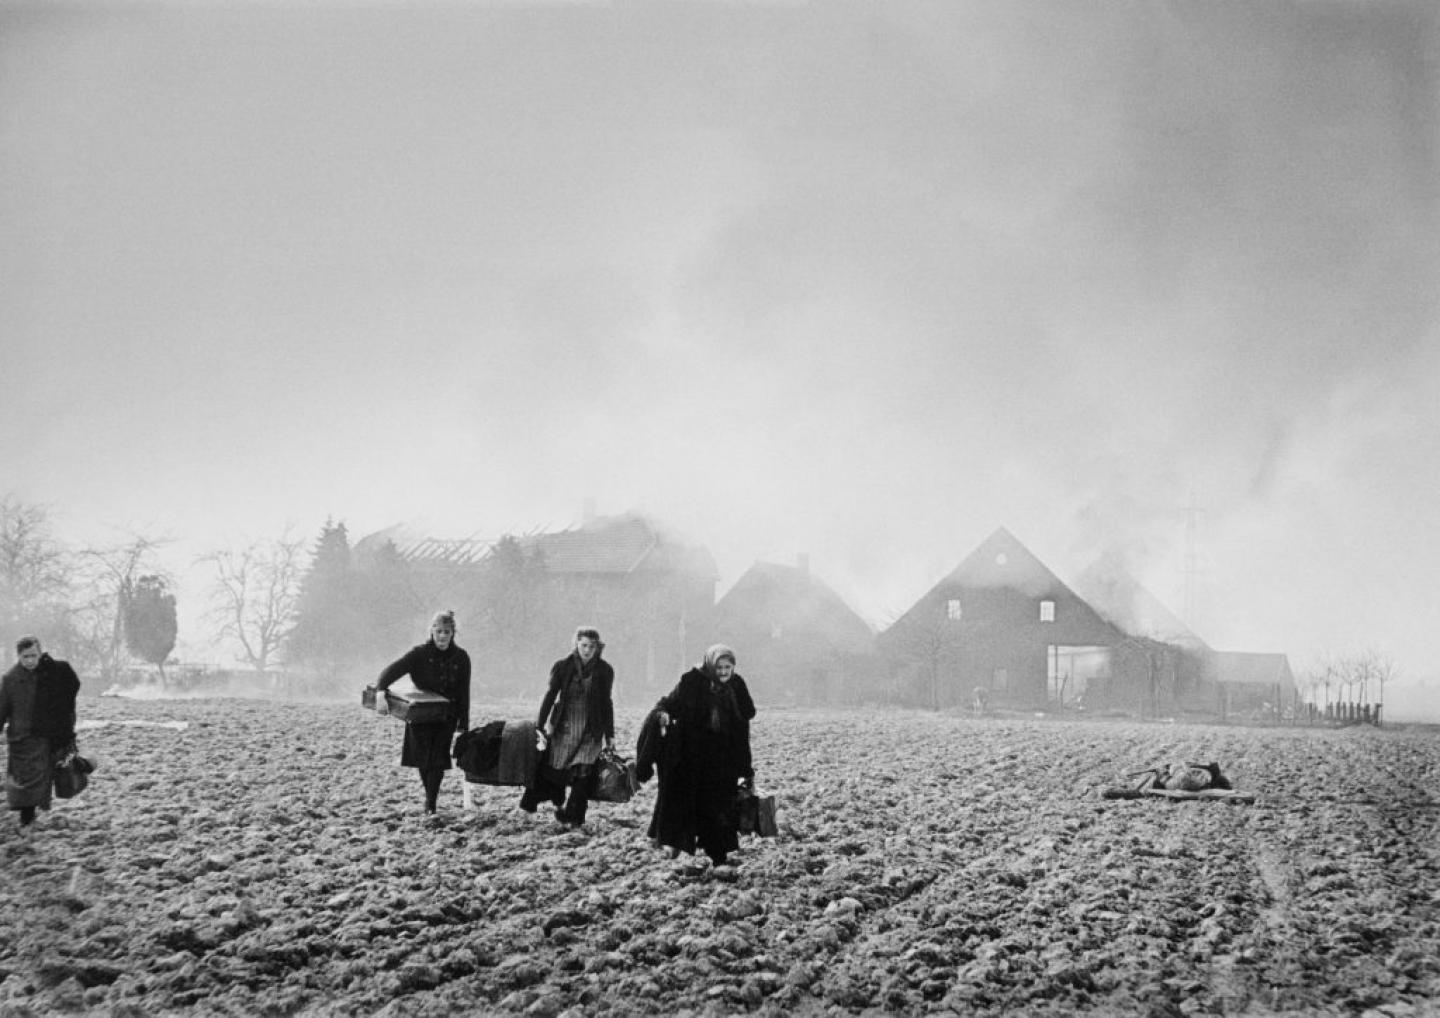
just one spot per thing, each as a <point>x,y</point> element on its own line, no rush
<point>1047,611</point>
<point>952,609</point>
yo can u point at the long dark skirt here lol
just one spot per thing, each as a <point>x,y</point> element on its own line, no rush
<point>697,806</point>
<point>30,773</point>
<point>427,746</point>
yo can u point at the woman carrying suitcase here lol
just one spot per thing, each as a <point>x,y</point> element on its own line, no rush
<point>705,730</point>
<point>439,665</point>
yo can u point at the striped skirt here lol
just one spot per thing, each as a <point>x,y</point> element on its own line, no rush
<point>30,773</point>
<point>570,746</point>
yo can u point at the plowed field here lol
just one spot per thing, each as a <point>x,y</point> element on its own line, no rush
<point>274,859</point>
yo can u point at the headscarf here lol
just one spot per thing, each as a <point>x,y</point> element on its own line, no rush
<point>713,657</point>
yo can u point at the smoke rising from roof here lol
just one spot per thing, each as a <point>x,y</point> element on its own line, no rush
<point>867,282</point>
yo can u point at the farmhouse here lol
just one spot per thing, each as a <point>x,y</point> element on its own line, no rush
<point>648,590</point>
<point>1004,623</point>
<point>797,639</point>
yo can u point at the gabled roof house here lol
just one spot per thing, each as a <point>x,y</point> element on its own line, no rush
<point>1002,622</point>
<point>796,637</point>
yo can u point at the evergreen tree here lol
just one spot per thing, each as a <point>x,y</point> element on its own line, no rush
<point>519,625</point>
<point>392,614</point>
<point>327,625</point>
<point>148,612</point>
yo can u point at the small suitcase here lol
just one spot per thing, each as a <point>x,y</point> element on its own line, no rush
<point>756,814</point>
<point>419,707</point>
<point>367,697</point>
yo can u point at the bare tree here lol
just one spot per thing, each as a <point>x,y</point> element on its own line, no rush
<point>1321,675</point>
<point>928,644</point>
<point>255,595</point>
<point>1383,668</point>
<point>35,576</point>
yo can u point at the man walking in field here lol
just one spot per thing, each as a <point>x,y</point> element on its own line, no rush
<point>37,713</point>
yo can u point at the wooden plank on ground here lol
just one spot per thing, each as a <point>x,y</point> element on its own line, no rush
<point>1205,793</point>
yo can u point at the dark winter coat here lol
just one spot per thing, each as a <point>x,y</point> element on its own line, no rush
<point>40,703</point>
<point>37,711</point>
<point>599,707</point>
<point>649,745</point>
<point>699,769</point>
<point>445,672</point>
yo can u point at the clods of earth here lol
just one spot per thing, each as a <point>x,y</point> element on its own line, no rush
<point>248,858</point>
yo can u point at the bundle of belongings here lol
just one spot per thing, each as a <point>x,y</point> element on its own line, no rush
<point>655,755</point>
<point>1190,781</point>
<point>499,753</point>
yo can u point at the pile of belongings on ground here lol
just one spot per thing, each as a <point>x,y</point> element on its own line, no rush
<point>1190,781</point>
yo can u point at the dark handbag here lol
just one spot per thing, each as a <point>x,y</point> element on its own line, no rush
<point>766,824</point>
<point>72,775</point>
<point>368,697</point>
<point>615,779</point>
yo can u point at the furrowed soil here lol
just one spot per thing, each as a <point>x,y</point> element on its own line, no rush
<point>238,857</point>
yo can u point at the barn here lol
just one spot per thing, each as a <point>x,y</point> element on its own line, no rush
<point>797,639</point>
<point>1001,622</point>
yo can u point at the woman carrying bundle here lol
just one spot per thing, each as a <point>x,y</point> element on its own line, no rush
<point>705,721</point>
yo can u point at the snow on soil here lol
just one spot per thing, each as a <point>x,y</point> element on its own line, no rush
<point>272,859</point>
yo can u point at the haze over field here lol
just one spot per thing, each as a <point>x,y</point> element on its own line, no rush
<point>859,281</point>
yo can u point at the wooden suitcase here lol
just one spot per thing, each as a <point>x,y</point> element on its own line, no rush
<point>419,707</point>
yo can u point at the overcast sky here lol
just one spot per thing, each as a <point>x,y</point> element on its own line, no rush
<point>862,281</point>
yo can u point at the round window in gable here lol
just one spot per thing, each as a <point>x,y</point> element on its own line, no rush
<point>1001,559</point>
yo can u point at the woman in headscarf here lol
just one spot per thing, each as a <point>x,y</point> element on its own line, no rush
<point>705,721</point>
<point>439,665</point>
<point>576,722</point>
<point>37,712</point>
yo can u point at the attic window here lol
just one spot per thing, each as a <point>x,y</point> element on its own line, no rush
<point>1047,611</point>
<point>952,609</point>
<point>1001,559</point>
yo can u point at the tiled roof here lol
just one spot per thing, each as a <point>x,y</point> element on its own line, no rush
<point>613,544</point>
<point>1002,561</point>
<point>794,596</point>
<point>608,545</point>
